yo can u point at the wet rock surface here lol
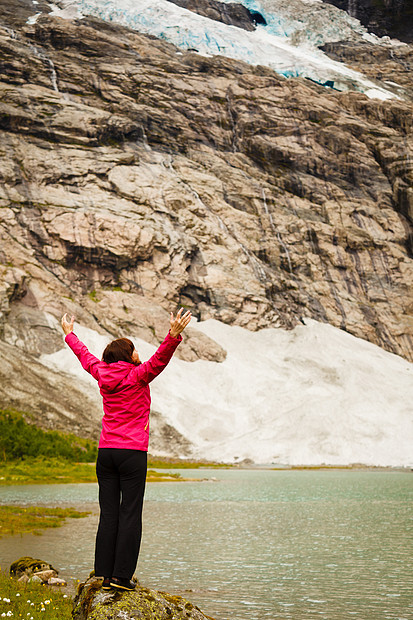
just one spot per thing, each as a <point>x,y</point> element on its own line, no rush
<point>135,178</point>
<point>93,603</point>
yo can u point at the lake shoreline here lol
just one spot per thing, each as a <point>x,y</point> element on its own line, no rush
<point>59,471</point>
<point>300,543</point>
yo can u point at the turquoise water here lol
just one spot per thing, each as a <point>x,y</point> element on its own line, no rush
<point>256,544</point>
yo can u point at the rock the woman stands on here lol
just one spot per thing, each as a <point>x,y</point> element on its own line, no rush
<point>122,456</point>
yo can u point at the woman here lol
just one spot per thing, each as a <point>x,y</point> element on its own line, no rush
<point>122,456</point>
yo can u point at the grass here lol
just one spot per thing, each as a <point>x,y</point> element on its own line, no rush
<point>58,471</point>
<point>45,471</point>
<point>30,519</point>
<point>32,601</point>
<point>93,296</point>
<point>170,463</point>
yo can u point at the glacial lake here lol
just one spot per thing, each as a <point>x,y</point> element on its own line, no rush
<point>254,544</point>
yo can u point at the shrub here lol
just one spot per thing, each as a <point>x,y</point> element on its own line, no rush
<point>20,439</point>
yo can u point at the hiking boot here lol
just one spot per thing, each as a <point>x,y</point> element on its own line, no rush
<point>106,584</point>
<point>122,584</point>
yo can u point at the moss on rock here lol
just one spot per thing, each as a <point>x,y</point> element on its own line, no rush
<point>93,603</point>
<point>28,566</point>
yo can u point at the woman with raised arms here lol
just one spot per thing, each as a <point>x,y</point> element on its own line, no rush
<point>122,455</point>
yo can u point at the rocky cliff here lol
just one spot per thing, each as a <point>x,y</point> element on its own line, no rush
<point>383,17</point>
<point>135,177</point>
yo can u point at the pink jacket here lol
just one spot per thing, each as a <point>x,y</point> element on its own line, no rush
<point>125,391</point>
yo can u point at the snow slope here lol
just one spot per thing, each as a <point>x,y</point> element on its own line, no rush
<point>288,44</point>
<point>312,395</point>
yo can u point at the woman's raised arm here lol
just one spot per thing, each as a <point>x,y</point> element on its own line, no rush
<point>147,371</point>
<point>85,357</point>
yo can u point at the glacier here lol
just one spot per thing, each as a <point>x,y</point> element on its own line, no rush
<point>287,44</point>
<point>308,396</point>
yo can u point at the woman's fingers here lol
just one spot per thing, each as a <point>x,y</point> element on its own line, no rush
<point>181,321</point>
<point>180,316</point>
<point>184,318</point>
<point>66,324</point>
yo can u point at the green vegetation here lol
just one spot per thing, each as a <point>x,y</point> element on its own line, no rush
<point>19,439</point>
<point>30,455</point>
<point>32,601</point>
<point>59,471</point>
<point>42,470</point>
<point>29,519</point>
<point>161,462</point>
<point>93,296</point>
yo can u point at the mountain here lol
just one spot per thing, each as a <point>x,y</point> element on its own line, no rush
<point>137,176</point>
<point>286,36</point>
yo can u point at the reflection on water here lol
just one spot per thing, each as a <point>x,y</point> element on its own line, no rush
<point>256,544</point>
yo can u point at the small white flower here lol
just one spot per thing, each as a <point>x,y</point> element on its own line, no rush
<point>43,609</point>
<point>3,615</point>
<point>18,594</point>
<point>32,604</point>
<point>6,600</point>
<point>28,601</point>
<point>9,613</point>
<point>47,602</point>
<point>64,595</point>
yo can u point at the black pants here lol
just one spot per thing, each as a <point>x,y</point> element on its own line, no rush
<point>121,476</point>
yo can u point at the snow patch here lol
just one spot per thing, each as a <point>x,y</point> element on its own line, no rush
<point>311,395</point>
<point>67,9</point>
<point>33,19</point>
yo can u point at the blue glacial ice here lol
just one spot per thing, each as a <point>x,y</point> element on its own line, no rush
<point>271,45</point>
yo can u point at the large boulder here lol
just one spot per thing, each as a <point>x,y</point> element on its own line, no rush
<point>93,603</point>
<point>29,566</point>
<point>31,569</point>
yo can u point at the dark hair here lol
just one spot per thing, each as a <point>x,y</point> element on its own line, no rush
<point>119,351</point>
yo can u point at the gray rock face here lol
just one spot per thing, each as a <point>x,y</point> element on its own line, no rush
<point>134,179</point>
<point>53,399</point>
<point>92,603</point>
<point>383,17</point>
<point>393,65</point>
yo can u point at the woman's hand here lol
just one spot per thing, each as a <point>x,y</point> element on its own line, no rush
<point>179,323</point>
<point>67,326</point>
